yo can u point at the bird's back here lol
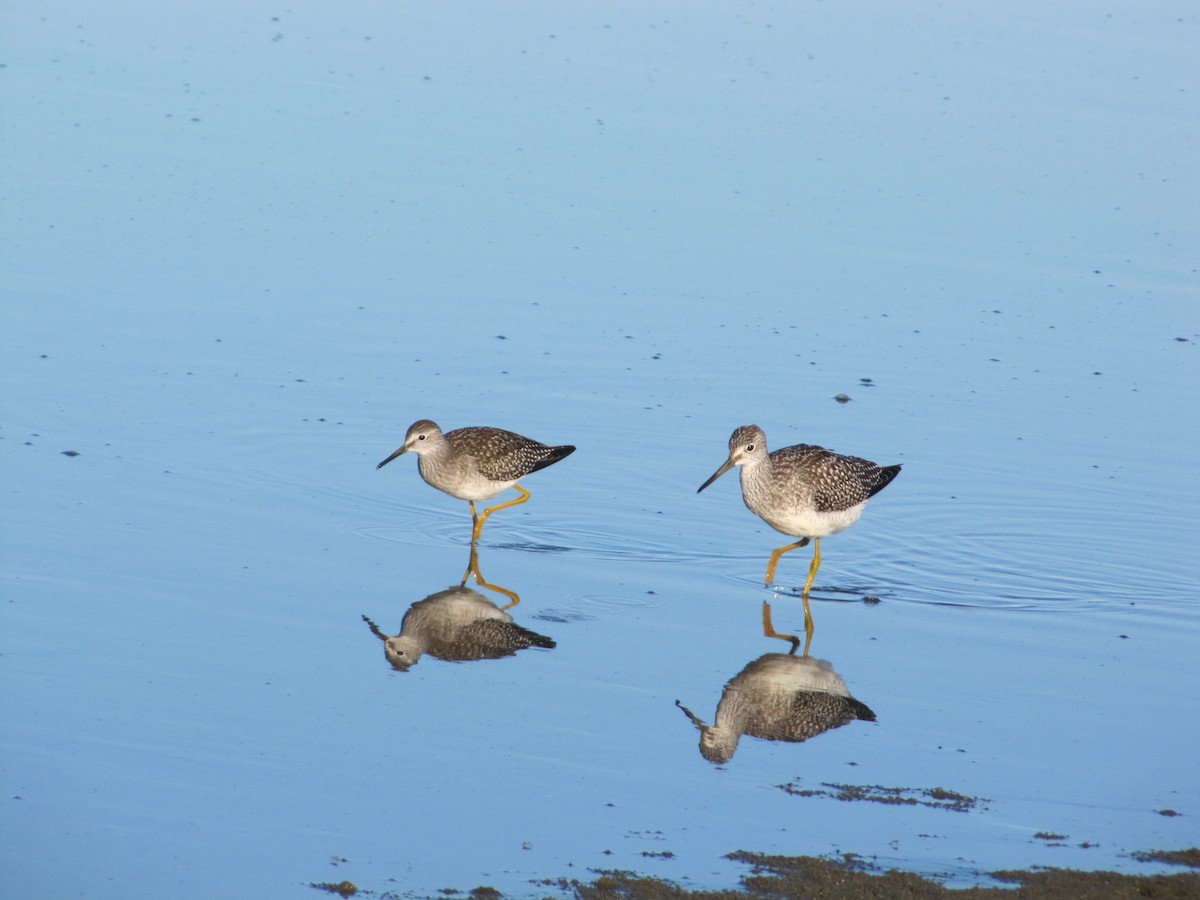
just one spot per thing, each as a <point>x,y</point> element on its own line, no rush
<point>504,455</point>
<point>835,482</point>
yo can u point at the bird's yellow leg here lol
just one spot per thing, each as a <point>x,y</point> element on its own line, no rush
<point>812,571</point>
<point>478,530</point>
<point>803,542</point>
<point>476,527</point>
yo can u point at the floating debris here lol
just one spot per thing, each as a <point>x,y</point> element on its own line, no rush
<point>342,889</point>
<point>658,854</point>
<point>934,798</point>
<point>1190,858</point>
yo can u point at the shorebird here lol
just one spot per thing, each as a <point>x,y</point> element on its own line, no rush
<point>476,463</point>
<point>803,491</point>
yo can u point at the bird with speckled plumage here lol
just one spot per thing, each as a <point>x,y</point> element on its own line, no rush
<point>804,491</point>
<point>476,463</point>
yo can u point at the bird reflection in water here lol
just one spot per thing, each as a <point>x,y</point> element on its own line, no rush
<point>459,625</point>
<point>473,570</point>
<point>778,697</point>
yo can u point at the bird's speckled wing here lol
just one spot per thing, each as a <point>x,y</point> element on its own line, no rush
<point>498,454</point>
<point>837,482</point>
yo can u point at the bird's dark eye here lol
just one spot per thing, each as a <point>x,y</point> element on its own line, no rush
<point>749,448</point>
<point>420,437</point>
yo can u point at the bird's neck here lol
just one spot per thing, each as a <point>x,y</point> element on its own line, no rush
<point>756,476</point>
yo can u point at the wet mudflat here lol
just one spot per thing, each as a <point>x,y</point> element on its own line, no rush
<point>826,880</point>
<point>851,878</point>
<point>246,247</point>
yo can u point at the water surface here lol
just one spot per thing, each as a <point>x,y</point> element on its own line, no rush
<point>246,246</point>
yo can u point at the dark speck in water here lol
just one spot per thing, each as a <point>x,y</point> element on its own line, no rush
<point>842,398</point>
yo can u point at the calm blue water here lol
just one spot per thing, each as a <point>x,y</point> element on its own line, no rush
<point>246,245</point>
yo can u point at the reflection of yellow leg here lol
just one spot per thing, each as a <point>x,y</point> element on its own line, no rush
<point>803,542</point>
<point>473,569</point>
<point>769,629</point>
<point>478,529</point>
<point>472,566</point>
<point>513,597</point>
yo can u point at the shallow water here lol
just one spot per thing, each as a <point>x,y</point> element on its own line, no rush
<point>246,246</point>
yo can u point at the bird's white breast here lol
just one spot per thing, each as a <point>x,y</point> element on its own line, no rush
<point>790,509</point>
<point>810,523</point>
<point>463,482</point>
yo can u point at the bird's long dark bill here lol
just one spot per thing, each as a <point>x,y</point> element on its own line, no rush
<point>390,458</point>
<point>715,475</point>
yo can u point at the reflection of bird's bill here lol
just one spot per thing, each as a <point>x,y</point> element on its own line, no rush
<point>375,629</point>
<point>729,464</point>
<point>695,720</point>
<point>390,458</point>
